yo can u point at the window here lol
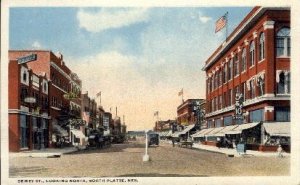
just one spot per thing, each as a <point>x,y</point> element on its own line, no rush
<point>252,89</point>
<point>262,46</point>
<point>261,85</point>
<point>244,62</point>
<point>227,120</point>
<point>282,114</point>
<point>236,91</point>
<point>213,83</point>
<point>256,115</point>
<point>24,93</point>
<point>243,90</point>
<point>216,80</point>
<point>24,76</point>
<point>230,70</point>
<point>218,122</point>
<point>252,53</point>
<point>24,131</point>
<point>236,65</point>
<point>225,73</point>
<point>283,43</point>
<point>220,77</point>
<point>220,101</point>
<point>283,84</point>
<point>210,123</point>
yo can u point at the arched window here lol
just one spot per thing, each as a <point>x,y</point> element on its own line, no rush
<point>236,65</point>
<point>24,76</point>
<point>252,53</point>
<point>244,62</point>
<point>283,46</point>
<point>262,46</point>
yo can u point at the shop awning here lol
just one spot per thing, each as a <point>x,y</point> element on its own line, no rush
<point>187,129</point>
<point>278,128</point>
<point>199,132</point>
<point>78,133</point>
<point>59,130</point>
<point>204,132</point>
<point>240,128</point>
<point>215,131</point>
<point>169,133</point>
<point>226,129</point>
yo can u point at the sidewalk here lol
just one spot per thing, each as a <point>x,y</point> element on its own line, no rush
<point>46,153</point>
<point>233,152</point>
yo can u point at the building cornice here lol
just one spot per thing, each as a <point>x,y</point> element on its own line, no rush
<point>239,33</point>
<point>266,97</point>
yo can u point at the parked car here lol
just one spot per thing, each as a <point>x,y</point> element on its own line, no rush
<point>153,139</point>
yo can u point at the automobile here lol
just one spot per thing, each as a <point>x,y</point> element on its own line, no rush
<point>153,139</point>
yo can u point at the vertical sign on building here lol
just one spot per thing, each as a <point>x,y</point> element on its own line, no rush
<point>238,107</point>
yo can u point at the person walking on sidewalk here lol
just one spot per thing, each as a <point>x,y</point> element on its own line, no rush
<point>173,141</point>
<point>280,151</point>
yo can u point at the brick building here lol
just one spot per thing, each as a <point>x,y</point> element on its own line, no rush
<point>28,108</point>
<point>186,112</point>
<point>253,67</point>
<point>62,82</point>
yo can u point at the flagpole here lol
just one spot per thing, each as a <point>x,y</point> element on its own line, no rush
<point>182,96</point>
<point>226,26</point>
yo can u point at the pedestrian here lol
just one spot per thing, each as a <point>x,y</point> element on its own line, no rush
<point>280,151</point>
<point>218,142</point>
<point>173,141</point>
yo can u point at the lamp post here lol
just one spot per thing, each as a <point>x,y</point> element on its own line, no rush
<point>146,156</point>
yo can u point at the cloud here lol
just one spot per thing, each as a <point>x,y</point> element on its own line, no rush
<point>36,45</point>
<point>204,19</point>
<point>110,19</point>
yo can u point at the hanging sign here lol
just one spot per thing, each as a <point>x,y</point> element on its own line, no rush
<point>27,58</point>
<point>238,107</point>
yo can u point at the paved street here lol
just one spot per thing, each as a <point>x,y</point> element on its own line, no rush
<point>126,160</point>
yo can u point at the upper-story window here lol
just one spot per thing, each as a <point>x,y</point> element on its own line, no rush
<point>283,43</point>
<point>261,85</point>
<point>230,70</point>
<point>216,80</point>
<point>252,53</point>
<point>252,89</point>
<point>262,46</point>
<point>236,65</point>
<point>213,83</point>
<point>283,85</point>
<point>220,77</point>
<point>225,73</point>
<point>244,62</point>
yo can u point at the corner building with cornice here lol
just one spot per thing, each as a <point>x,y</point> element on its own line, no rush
<point>253,63</point>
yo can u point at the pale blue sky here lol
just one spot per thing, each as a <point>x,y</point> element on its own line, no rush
<point>138,57</point>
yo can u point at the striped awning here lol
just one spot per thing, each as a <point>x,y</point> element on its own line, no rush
<point>278,128</point>
<point>240,128</point>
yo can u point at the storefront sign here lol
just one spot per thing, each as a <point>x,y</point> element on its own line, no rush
<point>30,100</point>
<point>27,58</point>
<point>238,107</point>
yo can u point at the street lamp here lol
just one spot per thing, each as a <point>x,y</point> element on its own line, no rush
<point>146,157</point>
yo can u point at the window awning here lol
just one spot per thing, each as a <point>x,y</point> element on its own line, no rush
<point>240,128</point>
<point>278,128</point>
<point>226,129</point>
<point>204,132</point>
<point>169,133</point>
<point>215,131</point>
<point>59,130</point>
<point>78,133</point>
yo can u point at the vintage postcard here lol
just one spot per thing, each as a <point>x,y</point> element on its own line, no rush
<point>149,93</point>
